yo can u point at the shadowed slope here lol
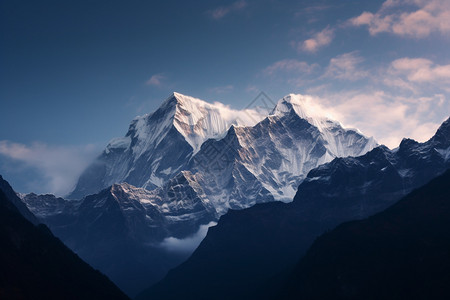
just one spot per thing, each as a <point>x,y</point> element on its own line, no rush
<point>36,265</point>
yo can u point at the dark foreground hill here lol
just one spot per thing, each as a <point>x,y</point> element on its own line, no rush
<point>36,265</point>
<point>400,253</point>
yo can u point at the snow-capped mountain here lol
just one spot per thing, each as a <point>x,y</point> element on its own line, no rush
<point>159,145</point>
<point>280,150</point>
<point>223,151</point>
<point>267,162</point>
<point>48,205</point>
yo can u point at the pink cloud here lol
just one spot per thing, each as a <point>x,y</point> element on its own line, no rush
<point>317,41</point>
<point>387,117</point>
<point>420,70</point>
<point>426,17</point>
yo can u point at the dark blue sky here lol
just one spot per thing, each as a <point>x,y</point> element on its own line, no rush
<point>74,73</point>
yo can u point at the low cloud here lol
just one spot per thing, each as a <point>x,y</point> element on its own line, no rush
<point>186,245</point>
<point>221,12</point>
<point>59,166</point>
<point>317,41</point>
<point>408,18</point>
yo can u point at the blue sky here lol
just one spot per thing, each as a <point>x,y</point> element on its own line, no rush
<point>74,73</point>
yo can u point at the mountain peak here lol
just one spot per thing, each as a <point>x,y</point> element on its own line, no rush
<point>16,201</point>
<point>198,120</point>
<point>182,124</point>
<point>303,105</point>
<point>186,103</point>
<point>442,135</point>
<point>180,99</point>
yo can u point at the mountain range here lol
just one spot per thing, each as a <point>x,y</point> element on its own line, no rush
<point>249,252</point>
<point>186,134</point>
<point>180,169</point>
<point>147,201</point>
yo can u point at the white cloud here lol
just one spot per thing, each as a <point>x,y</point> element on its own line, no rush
<point>156,80</point>
<point>409,18</point>
<point>60,166</point>
<point>246,117</point>
<point>387,117</point>
<point>223,11</point>
<point>391,114</point>
<point>186,245</point>
<point>346,67</point>
<point>317,41</point>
